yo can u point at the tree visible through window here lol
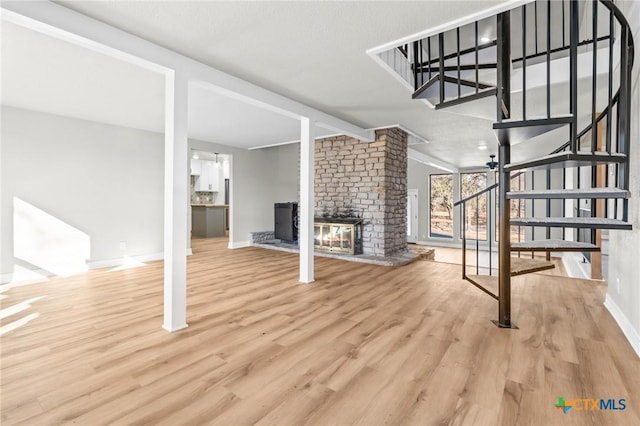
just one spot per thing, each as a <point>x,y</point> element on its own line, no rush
<point>441,199</point>
<point>476,209</point>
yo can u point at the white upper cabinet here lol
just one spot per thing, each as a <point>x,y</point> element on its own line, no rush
<point>196,167</point>
<point>208,180</point>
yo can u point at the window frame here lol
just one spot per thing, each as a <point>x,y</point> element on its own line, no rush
<point>439,236</point>
<point>487,206</point>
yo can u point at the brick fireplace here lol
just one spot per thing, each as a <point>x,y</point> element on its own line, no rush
<point>368,180</point>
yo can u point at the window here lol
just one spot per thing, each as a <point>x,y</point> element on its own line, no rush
<point>476,209</point>
<point>441,206</point>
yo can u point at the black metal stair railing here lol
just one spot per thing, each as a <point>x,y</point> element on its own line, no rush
<point>459,66</point>
<point>446,71</point>
<point>451,73</point>
<point>447,65</point>
<point>473,201</point>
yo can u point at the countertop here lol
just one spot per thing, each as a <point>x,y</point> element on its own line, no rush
<point>211,205</point>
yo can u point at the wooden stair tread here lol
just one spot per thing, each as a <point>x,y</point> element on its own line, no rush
<point>553,245</point>
<point>572,222</point>
<point>568,193</point>
<point>520,266</point>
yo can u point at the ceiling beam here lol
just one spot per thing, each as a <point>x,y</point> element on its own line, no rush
<point>63,23</point>
<point>431,161</point>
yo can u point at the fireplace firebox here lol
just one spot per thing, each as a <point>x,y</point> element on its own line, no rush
<point>286,221</point>
<point>342,235</point>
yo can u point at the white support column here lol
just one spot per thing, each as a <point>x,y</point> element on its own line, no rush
<point>305,237</point>
<point>175,202</point>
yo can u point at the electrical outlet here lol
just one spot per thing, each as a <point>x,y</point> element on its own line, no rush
<point>123,245</point>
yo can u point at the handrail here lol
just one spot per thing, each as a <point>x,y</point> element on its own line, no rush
<point>624,23</point>
<point>584,131</point>
<point>419,66</point>
<point>560,49</point>
<point>489,236</point>
<point>477,194</point>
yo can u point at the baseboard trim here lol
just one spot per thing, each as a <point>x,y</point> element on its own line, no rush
<point>98,264</point>
<point>174,329</point>
<point>110,263</point>
<point>240,244</point>
<point>432,243</point>
<point>572,266</point>
<point>623,322</point>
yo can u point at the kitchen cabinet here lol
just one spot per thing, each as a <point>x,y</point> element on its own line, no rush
<point>208,221</point>
<point>208,181</point>
<point>196,167</point>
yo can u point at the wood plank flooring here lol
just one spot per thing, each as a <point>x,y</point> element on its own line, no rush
<point>364,344</point>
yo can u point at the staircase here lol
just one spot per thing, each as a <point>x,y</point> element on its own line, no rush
<point>559,56</point>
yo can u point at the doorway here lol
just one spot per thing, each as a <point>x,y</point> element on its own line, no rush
<point>210,194</point>
<point>412,216</point>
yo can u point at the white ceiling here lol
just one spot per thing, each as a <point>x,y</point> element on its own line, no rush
<point>216,118</point>
<point>45,74</point>
<point>312,52</point>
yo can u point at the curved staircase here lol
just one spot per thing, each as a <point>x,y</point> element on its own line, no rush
<point>551,68</point>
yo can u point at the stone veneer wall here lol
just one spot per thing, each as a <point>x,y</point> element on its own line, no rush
<point>370,179</point>
<point>261,237</point>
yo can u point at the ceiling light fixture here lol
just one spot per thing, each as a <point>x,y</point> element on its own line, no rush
<point>493,163</point>
<point>482,147</point>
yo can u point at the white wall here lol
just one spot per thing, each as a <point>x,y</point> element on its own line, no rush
<point>623,293</point>
<point>104,181</point>
<point>287,173</point>
<point>94,185</point>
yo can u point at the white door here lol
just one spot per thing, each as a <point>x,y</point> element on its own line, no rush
<point>412,216</point>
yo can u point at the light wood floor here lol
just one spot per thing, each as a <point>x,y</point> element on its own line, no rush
<point>364,344</point>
